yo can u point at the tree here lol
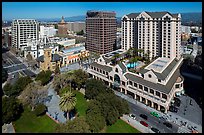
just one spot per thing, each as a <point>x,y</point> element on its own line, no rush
<point>94,116</point>
<point>80,32</point>
<point>33,94</point>
<point>93,88</point>
<point>57,70</point>
<point>78,125</point>
<point>40,109</point>
<point>7,89</point>
<point>67,102</point>
<point>20,85</point>
<point>44,76</point>
<point>80,77</point>
<point>4,75</point>
<point>29,57</point>
<point>11,109</point>
<point>115,58</point>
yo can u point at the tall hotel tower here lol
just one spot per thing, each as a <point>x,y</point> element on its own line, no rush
<point>157,33</point>
<point>21,30</point>
<point>100,31</point>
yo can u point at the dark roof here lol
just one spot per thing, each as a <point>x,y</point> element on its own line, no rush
<point>166,71</point>
<point>41,58</point>
<point>175,15</point>
<point>133,15</point>
<point>122,66</point>
<point>157,14</point>
<point>106,68</point>
<point>159,87</point>
<point>153,14</point>
<point>55,57</point>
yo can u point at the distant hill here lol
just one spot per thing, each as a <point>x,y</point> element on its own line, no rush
<point>187,19</point>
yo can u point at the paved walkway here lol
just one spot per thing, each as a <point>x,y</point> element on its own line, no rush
<point>53,105</point>
<point>171,117</point>
<point>8,128</point>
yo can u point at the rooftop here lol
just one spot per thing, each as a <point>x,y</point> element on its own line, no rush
<point>111,54</point>
<point>74,49</point>
<point>159,64</point>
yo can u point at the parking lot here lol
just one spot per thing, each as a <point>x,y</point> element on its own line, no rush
<point>15,67</point>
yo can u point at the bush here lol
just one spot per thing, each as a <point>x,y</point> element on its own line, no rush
<point>40,109</point>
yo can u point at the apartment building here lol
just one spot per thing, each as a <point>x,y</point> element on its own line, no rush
<point>156,85</point>
<point>48,31</point>
<point>21,30</point>
<point>100,31</point>
<point>157,33</point>
<point>76,26</point>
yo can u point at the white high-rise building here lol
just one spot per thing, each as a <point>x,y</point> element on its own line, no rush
<point>47,31</point>
<point>22,29</point>
<point>157,33</point>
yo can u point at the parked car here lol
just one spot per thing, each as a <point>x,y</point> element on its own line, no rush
<point>167,124</point>
<point>155,114</point>
<point>143,116</point>
<point>173,109</point>
<point>132,116</point>
<point>155,130</point>
<point>144,123</point>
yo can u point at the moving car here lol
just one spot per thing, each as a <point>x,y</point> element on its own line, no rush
<point>167,124</point>
<point>155,130</point>
<point>132,116</point>
<point>155,114</point>
<point>144,123</point>
<point>143,116</point>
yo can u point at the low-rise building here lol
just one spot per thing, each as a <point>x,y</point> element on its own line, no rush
<point>49,61</point>
<point>73,54</point>
<point>155,85</point>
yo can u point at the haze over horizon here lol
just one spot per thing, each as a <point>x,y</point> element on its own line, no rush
<point>42,10</point>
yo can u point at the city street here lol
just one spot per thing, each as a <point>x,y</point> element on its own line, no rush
<point>15,67</point>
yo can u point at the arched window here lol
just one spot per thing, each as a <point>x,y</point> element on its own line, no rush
<point>116,70</point>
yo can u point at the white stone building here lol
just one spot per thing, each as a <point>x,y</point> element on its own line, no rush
<point>21,30</point>
<point>157,33</point>
<point>155,85</point>
<point>48,31</point>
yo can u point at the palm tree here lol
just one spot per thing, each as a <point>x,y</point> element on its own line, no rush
<point>135,51</point>
<point>67,102</point>
<point>115,57</point>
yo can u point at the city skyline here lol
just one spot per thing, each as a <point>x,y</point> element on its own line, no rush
<point>38,10</point>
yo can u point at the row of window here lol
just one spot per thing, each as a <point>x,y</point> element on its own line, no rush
<point>146,89</point>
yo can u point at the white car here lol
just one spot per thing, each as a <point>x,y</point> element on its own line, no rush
<point>132,116</point>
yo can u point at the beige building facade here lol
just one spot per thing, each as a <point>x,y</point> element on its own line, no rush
<point>157,33</point>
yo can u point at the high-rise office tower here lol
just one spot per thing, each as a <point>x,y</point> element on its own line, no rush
<point>100,31</point>
<point>21,30</point>
<point>157,33</point>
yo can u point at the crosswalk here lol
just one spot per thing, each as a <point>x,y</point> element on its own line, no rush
<point>182,130</point>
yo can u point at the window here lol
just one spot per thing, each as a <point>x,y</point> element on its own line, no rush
<point>145,89</point>
<point>116,70</point>
<point>140,86</point>
<point>157,93</point>
<point>149,75</point>
<point>164,96</point>
<point>123,83</point>
<point>111,78</point>
<point>135,84</point>
<point>152,91</point>
<point>159,80</point>
<point>130,82</point>
<point>177,86</point>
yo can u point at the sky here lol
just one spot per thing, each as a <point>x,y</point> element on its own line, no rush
<point>35,10</point>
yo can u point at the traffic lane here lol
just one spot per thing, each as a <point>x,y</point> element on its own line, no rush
<point>153,121</point>
<point>13,58</point>
<point>16,67</point>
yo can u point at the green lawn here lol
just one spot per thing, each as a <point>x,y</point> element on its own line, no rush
<point>81,104</point>
<point>121,127</point>
<point>30,123</point>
